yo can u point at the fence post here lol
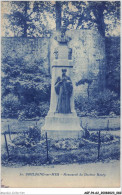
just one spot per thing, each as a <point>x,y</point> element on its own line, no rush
<point>108,125</point>
<point>9,132</point>
<point>6,145</point>
<point>99,142</point>
<point>47,147</point>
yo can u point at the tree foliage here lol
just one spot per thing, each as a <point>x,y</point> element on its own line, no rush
<point>102,15</point>
<point>38,18</point>
<point>30,18</point>
<point>113,64</point>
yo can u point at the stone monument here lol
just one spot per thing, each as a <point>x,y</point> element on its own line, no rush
<point>62,120</point>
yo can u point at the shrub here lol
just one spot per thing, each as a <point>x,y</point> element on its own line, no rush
<point>84,105</point>
<point>66,144</point>
<point>34,134</point>
<point>10,106</point>
<point>104,102</point>
<point>104,137</point>
<point>37,79</point>
<point>116,107</point>
<point>23,141</point>
<point>29,111</point>
<point>32,91</point>
<point>86,133</point>
<point>94,137</point>
<point>30,139</point>
<point>29,89</point>
<point>101,103</point>
<point>44,108</point>
<point>33,110</point>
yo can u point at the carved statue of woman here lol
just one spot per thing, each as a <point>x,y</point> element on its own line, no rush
<point>63,88</point>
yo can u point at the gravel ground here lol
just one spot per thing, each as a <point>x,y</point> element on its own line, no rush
<point>70,175</point>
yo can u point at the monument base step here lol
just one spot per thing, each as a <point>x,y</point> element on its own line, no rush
<point>57,135</point>
<point>59,126</point>
<point>66,122</point>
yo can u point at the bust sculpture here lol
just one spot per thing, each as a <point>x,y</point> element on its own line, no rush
<point>62,38</point>
<point>63,88</point>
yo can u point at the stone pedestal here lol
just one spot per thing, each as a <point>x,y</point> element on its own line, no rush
<point>60,122</point>
<point>62,125</point>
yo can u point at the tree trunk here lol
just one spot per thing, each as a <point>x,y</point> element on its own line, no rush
<point>99,14</point>
<point>25,21</point>
<point>58,15</point>
<point>88,91</point>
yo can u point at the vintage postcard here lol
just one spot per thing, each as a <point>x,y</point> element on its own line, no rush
<point>60,94</point>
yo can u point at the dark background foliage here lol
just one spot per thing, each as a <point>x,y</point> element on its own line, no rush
<point>24,93</point>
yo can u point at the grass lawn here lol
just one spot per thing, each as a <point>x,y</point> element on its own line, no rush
<point>17,125</point>
<point>91,122</point>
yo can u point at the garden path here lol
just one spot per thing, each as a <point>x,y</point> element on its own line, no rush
<point>98,174</point>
